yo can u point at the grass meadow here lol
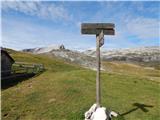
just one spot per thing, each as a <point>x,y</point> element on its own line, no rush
<point>64,91</point>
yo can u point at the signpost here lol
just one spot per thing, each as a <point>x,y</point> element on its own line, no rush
<point>98,29</point>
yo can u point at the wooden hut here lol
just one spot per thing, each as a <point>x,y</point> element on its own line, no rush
<point>6,63</point>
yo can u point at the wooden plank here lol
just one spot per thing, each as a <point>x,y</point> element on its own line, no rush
<point>101,36</point>
<point>97,31</point>
<point>97,26</point>
<point>98,85</point>
<point>101,39</point>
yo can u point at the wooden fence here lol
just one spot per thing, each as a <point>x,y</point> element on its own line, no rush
<point>23,68</point>
<point>20,71</point>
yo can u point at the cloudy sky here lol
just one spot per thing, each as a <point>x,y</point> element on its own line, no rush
<point>38,24</point>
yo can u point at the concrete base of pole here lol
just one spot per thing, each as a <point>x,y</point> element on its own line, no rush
<point>99,113</point>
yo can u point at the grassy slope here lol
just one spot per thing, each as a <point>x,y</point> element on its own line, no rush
<point>132,69</point>
<point>65,91</point>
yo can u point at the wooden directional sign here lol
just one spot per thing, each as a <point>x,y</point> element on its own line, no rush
<point>96,28</point>
<point>101,39</point>
<point>101,35</point>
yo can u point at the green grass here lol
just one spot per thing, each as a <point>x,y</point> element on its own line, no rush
<point>132,69</point>
<point>65,91</point>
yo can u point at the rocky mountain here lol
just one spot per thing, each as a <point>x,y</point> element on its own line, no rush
<point>66,54</point>
<point>44,49</point>
<point>143,55</point>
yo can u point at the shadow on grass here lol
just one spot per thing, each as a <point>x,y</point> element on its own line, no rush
<point>118,118</point>
<point>14,79</point>
<point>136,107</point>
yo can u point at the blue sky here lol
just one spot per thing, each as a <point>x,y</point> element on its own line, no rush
<point>38,23</point>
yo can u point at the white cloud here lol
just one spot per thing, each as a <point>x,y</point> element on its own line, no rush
<point>130,19</point>
<point>36,8</point>
<point>144,28</point>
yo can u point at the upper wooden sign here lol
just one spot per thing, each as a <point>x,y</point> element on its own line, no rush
<point>96,28</point>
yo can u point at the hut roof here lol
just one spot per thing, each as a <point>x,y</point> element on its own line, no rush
<point>7,54</point>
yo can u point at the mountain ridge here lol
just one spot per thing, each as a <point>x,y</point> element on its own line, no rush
<point>153,54</point>
<point>149,56</point>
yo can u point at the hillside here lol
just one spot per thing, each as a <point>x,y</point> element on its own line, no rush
<point>131,69</point>
<point>51,63</point>
<point>65,91</point>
